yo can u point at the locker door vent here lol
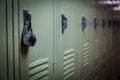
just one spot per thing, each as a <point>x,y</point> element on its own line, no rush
<point>110,42</point>
<point>97,53</point>
<point>69,57</point>
<point>104,44</point>
<point>85,59</point>
<point>39,69</point>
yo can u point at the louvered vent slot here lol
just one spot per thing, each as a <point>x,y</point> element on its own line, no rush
<point>69,56</point>
<point>39,69</point>
<point>110,42</point>
<point>85,59</point>
<point>104,44</point>
<point>97,53</point>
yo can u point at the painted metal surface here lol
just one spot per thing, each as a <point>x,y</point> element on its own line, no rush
<point>37,62</point>
<point>72,55</point>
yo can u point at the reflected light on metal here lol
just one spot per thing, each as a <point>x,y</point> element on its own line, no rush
<point>105,2</point>
<point>109,2</point>
<point>114,2</point>
<point>116,8</point>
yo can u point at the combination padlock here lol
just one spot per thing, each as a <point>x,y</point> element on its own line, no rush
<point>29,38</point>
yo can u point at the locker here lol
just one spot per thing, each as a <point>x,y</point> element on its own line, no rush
<point>110,38</point>
<point>97,40</point>
<point>86,38</point>
<point>3,41</point>
<point>9,42</point>
<point>104,38</point>
<point>69,40</point>
<point>36,62</point>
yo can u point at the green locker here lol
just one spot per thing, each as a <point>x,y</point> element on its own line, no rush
<point>3,41</point>
<point>6,50</point>
<point>97,40</point>
<point>87,37</point>
<point>69,40</point>
<point>37,62</point>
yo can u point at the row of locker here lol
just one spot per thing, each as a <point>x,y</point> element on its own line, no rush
<point>62,50</point>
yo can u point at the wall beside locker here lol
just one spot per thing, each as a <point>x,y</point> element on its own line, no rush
<point>75,40</point>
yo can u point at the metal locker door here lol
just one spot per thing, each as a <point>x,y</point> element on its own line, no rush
<point>86,40</point>
<point>68,11</point>
<point>97,46</point>
<point>3,47</point>
<point>36,62</point>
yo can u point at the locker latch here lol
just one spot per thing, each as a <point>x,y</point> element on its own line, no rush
<point>103,23</point>
<point>28,37</point>
<point>95,23</point>
<point>84,23</point>
<point>109,22</point>
<point>64,22</point>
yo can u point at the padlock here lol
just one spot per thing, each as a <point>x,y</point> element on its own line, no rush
<point>29,38</point>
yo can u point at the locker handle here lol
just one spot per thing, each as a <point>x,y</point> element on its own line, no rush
<point>84,23</point>
<point>95,23</point>
<point>64,22</point>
